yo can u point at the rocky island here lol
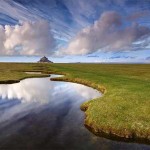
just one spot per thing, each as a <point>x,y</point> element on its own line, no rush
<point>44,60</point>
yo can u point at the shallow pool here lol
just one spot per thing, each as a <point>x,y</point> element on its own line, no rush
<point>38,113</point>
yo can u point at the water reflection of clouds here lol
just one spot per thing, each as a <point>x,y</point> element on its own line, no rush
<point>29,90</point>
<point>86,92</point>
<point>32,94</point>
<point>42,90</point>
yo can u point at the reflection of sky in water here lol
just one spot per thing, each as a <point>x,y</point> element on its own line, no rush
<point>43,91</point>
<point>41,114</point>
<point>38,92</point>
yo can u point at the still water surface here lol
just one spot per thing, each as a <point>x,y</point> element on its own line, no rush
<point>41,114</point>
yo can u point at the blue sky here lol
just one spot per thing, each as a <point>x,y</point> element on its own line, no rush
<point>75,30</point>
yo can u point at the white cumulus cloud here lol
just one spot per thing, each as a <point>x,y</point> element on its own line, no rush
<point>28,38</point>
<point>107,33</point>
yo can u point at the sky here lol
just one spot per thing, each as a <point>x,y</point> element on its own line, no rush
<point>98,31</point>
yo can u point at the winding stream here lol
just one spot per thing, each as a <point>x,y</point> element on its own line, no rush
<point>38,113</point>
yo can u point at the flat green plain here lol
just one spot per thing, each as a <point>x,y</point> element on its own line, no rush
<point>124,109</point>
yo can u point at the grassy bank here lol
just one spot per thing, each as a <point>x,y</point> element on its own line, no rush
<point>14,72</point>
<point>124,109</point>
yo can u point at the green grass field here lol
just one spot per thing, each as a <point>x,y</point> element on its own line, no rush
<point>14,72</point>
<point>122,111</point>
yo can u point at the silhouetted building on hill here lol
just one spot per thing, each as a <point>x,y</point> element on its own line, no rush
<point>44,60</point>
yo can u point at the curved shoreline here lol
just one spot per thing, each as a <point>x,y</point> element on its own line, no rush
<point>99,131</point>
<point>109,133</point>
<point>113,134</point>
<point>31,76</point>
<point>83,82</point>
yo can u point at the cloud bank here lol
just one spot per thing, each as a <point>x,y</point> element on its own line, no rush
<point>107,33</point>
<point>28,38</point>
